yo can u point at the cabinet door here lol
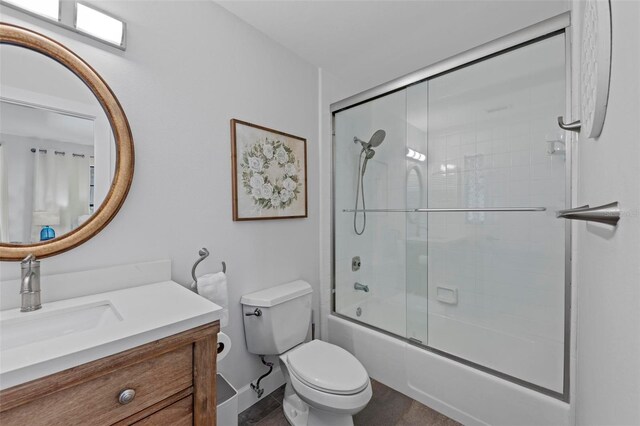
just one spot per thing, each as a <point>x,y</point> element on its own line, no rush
<point>96,402</point>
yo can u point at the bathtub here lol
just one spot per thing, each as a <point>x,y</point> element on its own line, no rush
<point>463,393</point>
<point>388,314</point>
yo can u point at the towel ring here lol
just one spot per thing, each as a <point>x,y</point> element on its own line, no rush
<point>203,253</point>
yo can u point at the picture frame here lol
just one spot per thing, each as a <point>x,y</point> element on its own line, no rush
<point>268,173</point>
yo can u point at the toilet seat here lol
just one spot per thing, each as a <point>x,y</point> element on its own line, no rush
<point>329,380</point>
<point>327,368</point>
<point>338,404</point>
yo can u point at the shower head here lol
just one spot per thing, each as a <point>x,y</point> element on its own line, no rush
<point>375,141</point>
<point>377,138</point>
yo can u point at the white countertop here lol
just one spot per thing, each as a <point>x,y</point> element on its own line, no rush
<point>145,314</point>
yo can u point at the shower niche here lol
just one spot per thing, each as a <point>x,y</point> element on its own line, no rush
<point>452,213</point>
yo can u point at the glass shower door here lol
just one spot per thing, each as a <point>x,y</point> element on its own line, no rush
<point>494,291</point>
<point>453,243</point>
<point>374,256</point>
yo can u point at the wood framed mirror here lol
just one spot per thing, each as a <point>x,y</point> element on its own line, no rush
<point>91,126</point>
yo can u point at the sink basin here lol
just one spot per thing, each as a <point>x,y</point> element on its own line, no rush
<point>70,332</point>
<point>48,324</point>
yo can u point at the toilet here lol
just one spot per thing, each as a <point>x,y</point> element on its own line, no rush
<point>325,384</point>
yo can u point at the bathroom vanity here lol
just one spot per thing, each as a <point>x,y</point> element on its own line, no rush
<point>168,381</point>
<point>144,354</point>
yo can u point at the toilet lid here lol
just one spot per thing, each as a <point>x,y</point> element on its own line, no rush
<point>328,368</point>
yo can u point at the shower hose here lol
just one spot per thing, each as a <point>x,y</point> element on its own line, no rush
<point>359,191</point>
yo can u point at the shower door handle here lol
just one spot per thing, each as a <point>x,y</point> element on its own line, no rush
<point>607,213</point>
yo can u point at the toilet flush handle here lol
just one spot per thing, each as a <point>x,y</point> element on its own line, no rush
<point>257,312</point>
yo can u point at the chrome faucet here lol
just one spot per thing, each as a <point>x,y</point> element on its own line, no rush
<point>362,287</point>
<point>30,284</point>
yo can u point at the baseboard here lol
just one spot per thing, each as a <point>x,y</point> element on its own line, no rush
<point>247,396</point>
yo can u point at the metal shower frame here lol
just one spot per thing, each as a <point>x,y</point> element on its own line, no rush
<point>557,25</point>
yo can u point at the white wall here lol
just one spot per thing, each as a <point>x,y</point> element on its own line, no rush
<point>608,268</point>
<point>189,68</point>
<point>331,90</point>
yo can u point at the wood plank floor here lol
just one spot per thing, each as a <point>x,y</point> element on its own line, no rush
<point>386,408</point>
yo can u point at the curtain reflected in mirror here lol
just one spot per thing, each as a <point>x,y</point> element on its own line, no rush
<point>61,193</point>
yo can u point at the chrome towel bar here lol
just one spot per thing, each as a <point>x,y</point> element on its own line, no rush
<point>453,210</point>
<point>606,213</point>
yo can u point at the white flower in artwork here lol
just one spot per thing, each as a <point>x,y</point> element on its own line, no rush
<point>289,184</point>
<point>255,164</point>
<point>270,174</point>
<point>290,169</point>
<point>267,190</point>
<point>256,193</point>
<point>267,150</point>
<point>285,195</point>
<point>281,155</point>
<point>256,181</point>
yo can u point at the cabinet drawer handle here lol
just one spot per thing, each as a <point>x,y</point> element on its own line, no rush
<point>126,396</point>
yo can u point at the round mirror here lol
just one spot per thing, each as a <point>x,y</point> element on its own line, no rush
<point>66,151</point>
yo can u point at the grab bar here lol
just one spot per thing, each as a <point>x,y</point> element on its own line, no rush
<point>487,209</point>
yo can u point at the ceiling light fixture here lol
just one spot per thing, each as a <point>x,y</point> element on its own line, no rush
<point>98,24</point>
<point>47,8</point>
<point>415,155</point>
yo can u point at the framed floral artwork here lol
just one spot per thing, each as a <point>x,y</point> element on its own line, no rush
<point>269,173</point>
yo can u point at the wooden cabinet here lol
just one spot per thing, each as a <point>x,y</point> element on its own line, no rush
<point>174,380</point>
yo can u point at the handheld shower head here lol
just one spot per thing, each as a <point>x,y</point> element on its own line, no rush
<point>376,139</point>
<point>369,153</point>
<point>366,154</point>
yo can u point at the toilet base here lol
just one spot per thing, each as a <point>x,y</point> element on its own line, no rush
<point>295,410</point>
<point>299,413</point>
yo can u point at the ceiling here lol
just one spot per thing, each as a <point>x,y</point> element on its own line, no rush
<point>365,43</point>
<point>18,120</point>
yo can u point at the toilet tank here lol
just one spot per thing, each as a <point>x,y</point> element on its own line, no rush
<point>283,320</point>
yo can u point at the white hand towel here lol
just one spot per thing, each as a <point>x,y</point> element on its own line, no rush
<point>214,288</point>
